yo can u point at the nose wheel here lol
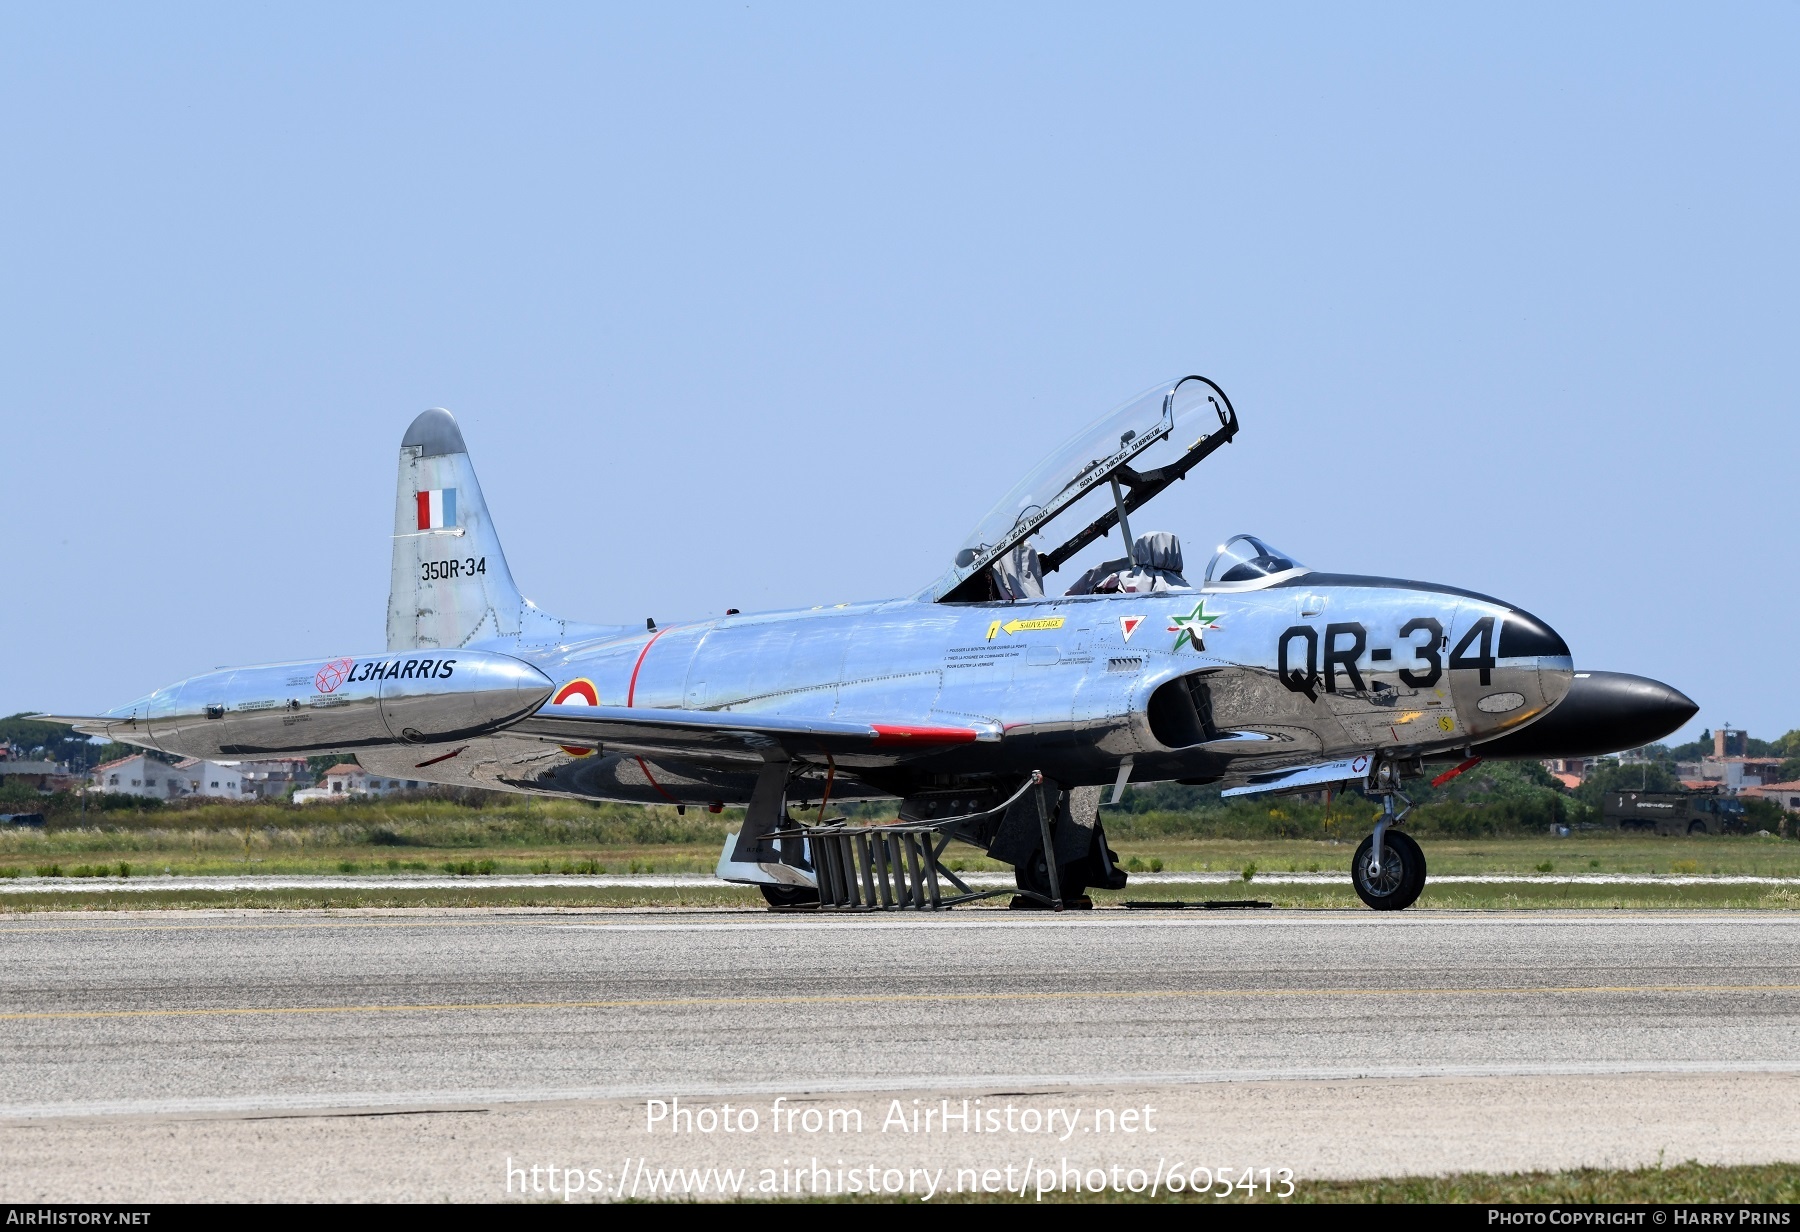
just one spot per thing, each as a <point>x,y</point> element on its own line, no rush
<point>1388,869</point>
<point>1396,883</point>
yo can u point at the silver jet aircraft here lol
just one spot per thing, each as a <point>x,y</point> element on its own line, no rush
<point>996,711</point>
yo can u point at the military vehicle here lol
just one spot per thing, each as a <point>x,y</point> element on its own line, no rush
<point>1674,812</point>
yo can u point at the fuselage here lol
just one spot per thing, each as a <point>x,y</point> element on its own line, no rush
<point>1186,684</point>
<point>1321,667</point>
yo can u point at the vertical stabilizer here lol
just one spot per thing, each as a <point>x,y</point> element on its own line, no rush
<point>450,584</point>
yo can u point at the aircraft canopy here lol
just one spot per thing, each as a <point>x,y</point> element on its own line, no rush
<point>1121,460</point>
<point>1244,562</point>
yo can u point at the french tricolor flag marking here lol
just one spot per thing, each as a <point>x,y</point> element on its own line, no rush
<point>437,509</point>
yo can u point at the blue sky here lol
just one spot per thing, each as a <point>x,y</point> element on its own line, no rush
<point>763,305</point>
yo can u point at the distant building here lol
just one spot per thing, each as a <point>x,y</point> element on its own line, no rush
<point>1571,772</point>
<point>343,782</point>
<point>274,779</point>
<point>1787,795</point>
<point>1729,768</point>
<point>1736,773</point>
<point>138,775</point>
<point>217,780</point>
<point>42,775</point>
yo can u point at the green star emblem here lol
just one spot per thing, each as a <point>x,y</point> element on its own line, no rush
<point>1189,629</point>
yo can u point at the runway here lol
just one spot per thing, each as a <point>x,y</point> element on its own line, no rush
<point>142,1028</point>
<point>673,881</point>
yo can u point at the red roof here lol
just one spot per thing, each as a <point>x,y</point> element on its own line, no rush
<point>115,762</point>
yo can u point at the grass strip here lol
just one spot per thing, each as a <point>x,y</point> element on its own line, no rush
<point>507,847</point>
<point>1464,897</point>
<point>1683,1184</point>
<point>1511,897</point>
<point>310,900</point>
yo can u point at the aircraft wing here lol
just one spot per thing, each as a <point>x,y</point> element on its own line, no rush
<point>729,733</point>
<point>86,724</point>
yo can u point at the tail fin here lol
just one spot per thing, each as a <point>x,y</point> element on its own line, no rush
<point>450,584</point>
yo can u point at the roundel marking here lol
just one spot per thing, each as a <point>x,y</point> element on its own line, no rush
<point>332,675</point>
<point>579,692</point>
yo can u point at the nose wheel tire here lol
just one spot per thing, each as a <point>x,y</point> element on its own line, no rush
<point>1402,872</point>
<point>790,895</point>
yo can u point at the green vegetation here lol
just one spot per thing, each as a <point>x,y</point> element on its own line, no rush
<point>1495,799</point>
<point>1685,1183</point>
<point>627,839</point>
<point>1689,1183</point>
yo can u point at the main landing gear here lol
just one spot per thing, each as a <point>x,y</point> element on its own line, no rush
<point>1388,869</point>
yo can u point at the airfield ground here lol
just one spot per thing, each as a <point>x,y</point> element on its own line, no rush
<point>411,1054</point>
<point>329,849</point>
<point>410,1015</point>
<point>81,868</point>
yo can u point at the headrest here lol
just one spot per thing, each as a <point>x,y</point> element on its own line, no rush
<point>1157,550</point>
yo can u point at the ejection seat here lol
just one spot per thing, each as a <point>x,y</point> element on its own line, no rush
<point>1020,574</point>
<point>1154,567</point>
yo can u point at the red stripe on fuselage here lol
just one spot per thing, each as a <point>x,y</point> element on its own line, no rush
<point>630,696</point>
<point>889,733</point>
<point>631,689</point>
<point>424,501</point>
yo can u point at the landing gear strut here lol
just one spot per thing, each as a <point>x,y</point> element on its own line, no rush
<point>1388,869</point>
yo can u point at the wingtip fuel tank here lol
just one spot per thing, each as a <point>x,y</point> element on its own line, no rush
<point>333,705</point>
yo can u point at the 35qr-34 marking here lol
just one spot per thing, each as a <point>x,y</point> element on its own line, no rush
<point>442,570</point>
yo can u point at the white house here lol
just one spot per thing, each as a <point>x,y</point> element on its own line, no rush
<point>219,780</point>
<point>139,775</point>
<point>343,782</point>
<point>144,775</point>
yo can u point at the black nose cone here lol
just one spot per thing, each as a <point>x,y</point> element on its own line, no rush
<point>1523,635</point>
<point>1603,712</point>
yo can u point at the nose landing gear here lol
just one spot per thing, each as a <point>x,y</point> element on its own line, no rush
<point>1388,869</point>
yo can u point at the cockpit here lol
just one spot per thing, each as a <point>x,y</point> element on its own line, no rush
<point>1096,482</point>
<point>1152,567</point>
<point>1244,562</point>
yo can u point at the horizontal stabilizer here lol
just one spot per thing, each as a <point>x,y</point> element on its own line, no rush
<point>1353,769</point>
<point>698,732</point>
